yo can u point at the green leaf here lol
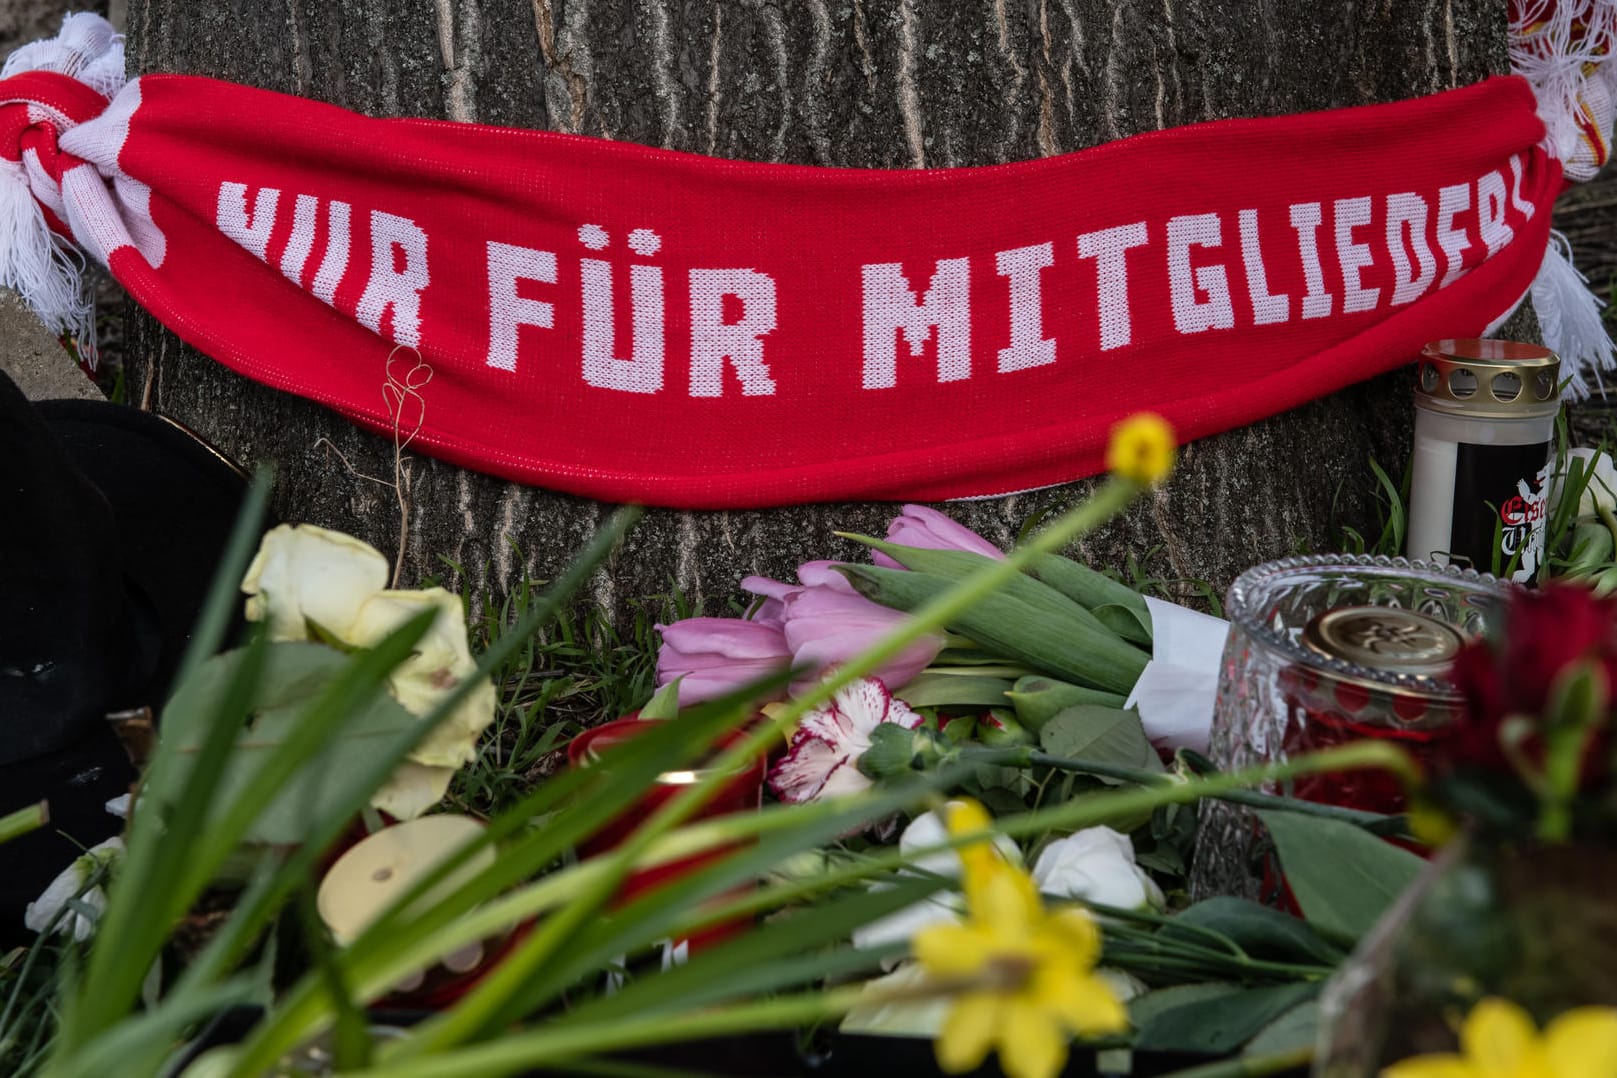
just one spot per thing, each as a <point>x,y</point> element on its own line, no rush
<point>1101,734</point>
<point>760,960</point>
<point>954,690</point>
<point>1038,699</point>
<point>956,565</point>
<point>1293,1031</point>
<point>1093,590</point>
<point>295,674</point>
<point>891,752</point>
<point>1065,641</point>
<point>1221,1023</point>
<point>1131,625</point>
<point>1259,931</point>
<point>1147,1008</point>
<point>1343,877</point>
<point>664,703</point>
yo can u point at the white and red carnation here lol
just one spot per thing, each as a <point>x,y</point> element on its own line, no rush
<point>822,759</point>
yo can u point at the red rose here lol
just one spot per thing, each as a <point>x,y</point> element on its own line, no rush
<point>1546,632</point>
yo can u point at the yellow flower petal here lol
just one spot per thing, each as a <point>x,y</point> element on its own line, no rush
<point>1499,1038</point>
<point>953,950</point>
<point>966,816</point>
<point>1141,449</point>
<point>1432,1066</point>
<point>1078,932</point>
<point>1582,1043</point>
<point>1085,1002</point>
<point>1007,900</point>
<point>1031,1044</point>
<point>968,1032</point>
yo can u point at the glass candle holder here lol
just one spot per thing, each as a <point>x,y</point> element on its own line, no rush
<point>1324,650</point>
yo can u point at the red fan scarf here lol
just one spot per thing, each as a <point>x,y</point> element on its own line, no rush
<point>638,325</point>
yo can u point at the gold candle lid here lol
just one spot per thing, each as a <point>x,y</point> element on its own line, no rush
<point>1385,638</point>
<point>1501,379</point>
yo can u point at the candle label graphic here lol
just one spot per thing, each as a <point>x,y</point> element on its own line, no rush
<point>1501,494</point>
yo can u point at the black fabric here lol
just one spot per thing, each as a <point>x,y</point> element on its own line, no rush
<point>61,580</point>
<point>112,524</point>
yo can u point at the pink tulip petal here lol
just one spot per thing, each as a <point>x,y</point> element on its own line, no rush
<point>823,574</point>
<point>732,637</point>
<point>770,589</point>
<point>921,526</point>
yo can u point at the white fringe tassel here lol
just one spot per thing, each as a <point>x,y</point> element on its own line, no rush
<point>43,268</point>
<point>1564,48</point>
<point>1569,319</point>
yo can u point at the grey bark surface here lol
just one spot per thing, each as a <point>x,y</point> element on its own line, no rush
<point>865,83</point>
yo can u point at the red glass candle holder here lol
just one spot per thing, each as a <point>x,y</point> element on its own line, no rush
<point>742,793</point>
<point>1323,651</point>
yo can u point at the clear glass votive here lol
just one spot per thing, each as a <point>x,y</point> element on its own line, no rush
<point>1323,650</point>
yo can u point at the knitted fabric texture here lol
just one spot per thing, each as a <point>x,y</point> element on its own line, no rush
<point>634,324</point>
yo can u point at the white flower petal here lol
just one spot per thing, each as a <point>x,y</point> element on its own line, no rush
<point>306,573</point>
<point>412,789</point>
<point>845,780</point>
<point>904,924</point>
<point>802,773</point>
<point>893,1018</point>
<point>927,831</point>
<point>440,660</point>
<point>1095,865</point>
<point>865,703</point>
<point>70,884</point>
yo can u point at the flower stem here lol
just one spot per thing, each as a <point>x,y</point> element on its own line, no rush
<point>19,823</point>
<point>1251,798</point>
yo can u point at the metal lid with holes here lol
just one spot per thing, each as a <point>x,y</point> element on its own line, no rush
<point>1503,379</point>
<point>1385,638</point>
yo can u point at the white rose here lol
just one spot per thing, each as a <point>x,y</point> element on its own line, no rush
<point>70,885</point>
<point>925,832</point>
<point>440,661</point>
<point>1601,491</point>
<point>303,573</point>
<point>1096,865</point>
<point>898,1018</point>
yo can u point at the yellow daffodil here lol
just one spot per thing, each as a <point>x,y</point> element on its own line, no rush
<point>1141,449</point>
<point>1499,1040</point>
<point>1026,975</point>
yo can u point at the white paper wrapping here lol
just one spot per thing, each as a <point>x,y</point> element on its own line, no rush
<point>1179,686</point>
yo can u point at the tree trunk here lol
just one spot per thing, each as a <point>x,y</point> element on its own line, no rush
<point>864,83</point>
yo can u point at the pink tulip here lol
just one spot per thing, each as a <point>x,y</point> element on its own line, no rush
<point>929,529</point>
<point>826,623</point>
<point>717,656</point>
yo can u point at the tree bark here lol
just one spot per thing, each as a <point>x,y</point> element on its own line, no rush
<point>864,83</point>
